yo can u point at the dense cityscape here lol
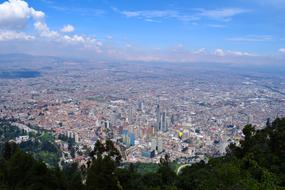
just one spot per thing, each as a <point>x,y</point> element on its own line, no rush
<point>142,95</point>
<point>147,110</point>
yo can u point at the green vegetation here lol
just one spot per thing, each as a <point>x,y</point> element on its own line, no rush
<point>46,151</point>
<point>8,131</point>
<point>46,137</point>
<point>257,164</point>
<point>19,170</point>
<point>47,157</point>
<point>41,144</point>
<point>144,168</point>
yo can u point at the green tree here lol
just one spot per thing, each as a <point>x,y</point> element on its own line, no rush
<point>167,175</point>
<point>101,174</point>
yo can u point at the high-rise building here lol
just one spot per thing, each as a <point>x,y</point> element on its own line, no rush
<point>132,139</point>
<point>128,138</point>
<point>168,123</point>
<point>130,115</point>
<point>158,118</point>
<point>161,120</point>
<point>164,124</point>
<point>172,120</point>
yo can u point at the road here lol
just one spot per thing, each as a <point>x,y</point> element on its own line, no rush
<point>181,167</point>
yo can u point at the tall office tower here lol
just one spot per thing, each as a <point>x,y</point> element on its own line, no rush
<point>132,139</point>
<point>167,123</point>
<point>130,115</point>
<point>172,119</point>
<point>163,122</point>
<point>158,118</point>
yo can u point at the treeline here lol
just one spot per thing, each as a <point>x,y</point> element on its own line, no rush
<point>20,171</point>
<point>258,163</point>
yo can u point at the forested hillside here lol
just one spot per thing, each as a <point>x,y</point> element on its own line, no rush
<point>37,142</point>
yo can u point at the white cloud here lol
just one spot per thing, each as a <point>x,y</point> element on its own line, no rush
<point>222,53</point>
<point>240,53</point>
<point>45,31</point>
<point>149,14</point>
<point>88,12</point>
<point>219,52</point>
<point>67,28</point>
<point>196,56</point>
<point>282,50</point>
<point>74,38</point>
<point>252,38</point>
<point>13,35</point>
<point>222,14</point>
<point>15,14</point>
<point>196,14</point>
<point>200,51</point>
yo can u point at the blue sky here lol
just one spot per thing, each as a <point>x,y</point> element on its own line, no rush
<point>147,30</point>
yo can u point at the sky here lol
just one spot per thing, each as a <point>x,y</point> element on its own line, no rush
<point>232,31</point>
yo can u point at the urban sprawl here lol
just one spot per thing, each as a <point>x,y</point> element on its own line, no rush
<point>146,110</point>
